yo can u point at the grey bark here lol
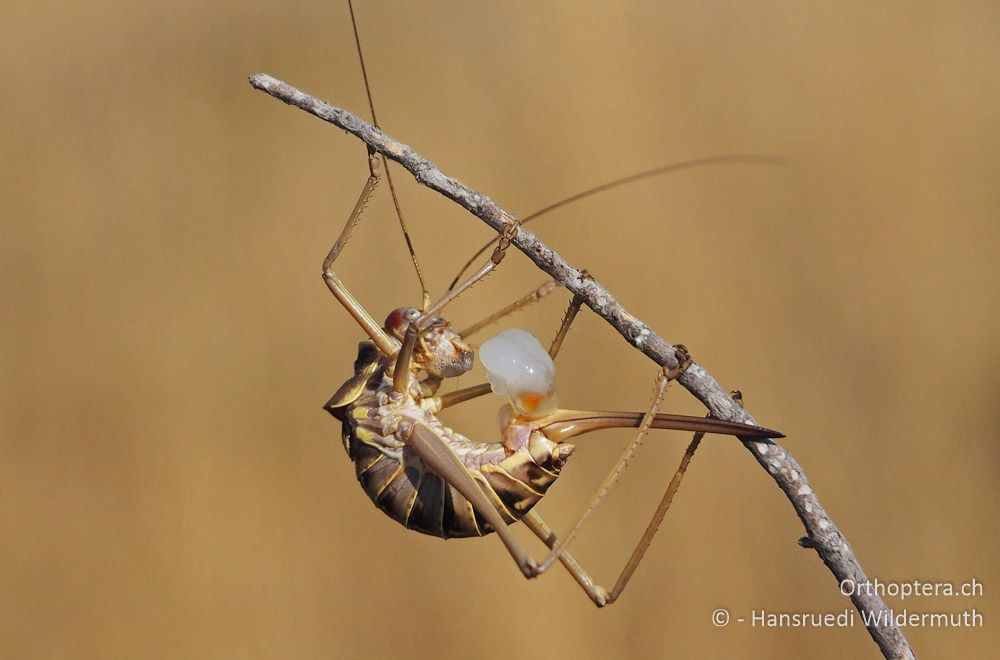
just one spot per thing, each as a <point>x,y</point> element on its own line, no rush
<point>822,534</point>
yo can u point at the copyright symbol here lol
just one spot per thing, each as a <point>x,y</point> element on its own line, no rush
<point>720,617</point>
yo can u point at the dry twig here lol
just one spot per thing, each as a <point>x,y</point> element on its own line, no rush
<point>822,534</point>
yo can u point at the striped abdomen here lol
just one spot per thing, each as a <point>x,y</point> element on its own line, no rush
<point>399,484</point>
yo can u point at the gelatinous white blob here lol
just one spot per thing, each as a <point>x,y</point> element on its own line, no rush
<point>520,369</point>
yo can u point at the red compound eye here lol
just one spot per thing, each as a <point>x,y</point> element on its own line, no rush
<point>399,318</point>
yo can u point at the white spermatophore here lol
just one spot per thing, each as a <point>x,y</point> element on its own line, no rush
<point>520,369</point>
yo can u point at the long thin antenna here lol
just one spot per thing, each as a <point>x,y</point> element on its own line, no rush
<point>385,167</point>
<point>632,178</point>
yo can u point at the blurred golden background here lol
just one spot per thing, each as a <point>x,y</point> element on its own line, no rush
<point>169,485</point>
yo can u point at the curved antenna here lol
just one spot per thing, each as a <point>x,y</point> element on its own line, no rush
<point>754,159</point>
<point>385,167</point>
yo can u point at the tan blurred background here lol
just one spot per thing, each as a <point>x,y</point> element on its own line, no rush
<point>169,485</point>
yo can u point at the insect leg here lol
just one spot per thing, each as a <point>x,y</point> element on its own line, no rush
<point>529,299</point>
<point>439,458</point>
<point>597,593</point>
<point>464,394</point>
<point>568,318</point>
<point>511,226</point>
<point>661,386</point>
<point>382,340</point>
<point>388,175</point>
<point>400,374</point>
<point>654,522</point>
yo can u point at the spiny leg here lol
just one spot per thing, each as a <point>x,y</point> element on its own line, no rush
<point>364,319</point>
<point>511,225</point>
<point>654,522</point>
<point>662,380</point>
<point>400,376</point>
<point>568,318</point>
<point>597,593</point>
<point>435,453</point>
<point>438,456</point>
<point>528,299</point>
<point>374,176</point>
<point>388,175</point>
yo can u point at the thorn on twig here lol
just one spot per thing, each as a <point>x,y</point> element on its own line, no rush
<point>807,542</point>
<point>779,463</point>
